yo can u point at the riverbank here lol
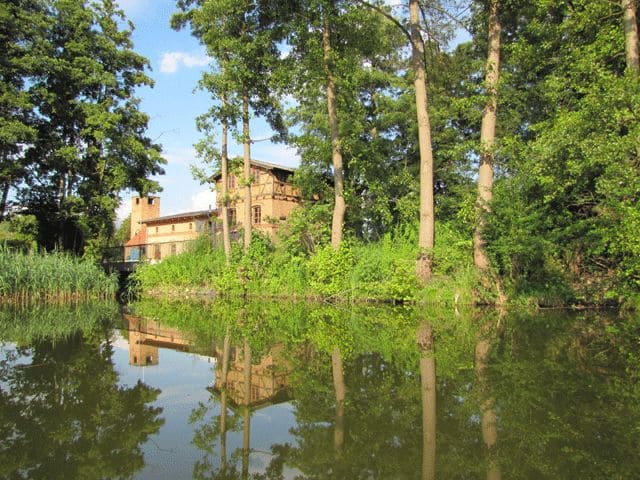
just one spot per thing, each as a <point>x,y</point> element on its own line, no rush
<point>52,277</point>
<point>359,272</point>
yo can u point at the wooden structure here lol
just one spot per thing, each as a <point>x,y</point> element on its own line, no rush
<point>273,196</point>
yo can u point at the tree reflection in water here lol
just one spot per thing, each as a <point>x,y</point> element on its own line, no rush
<point>63,414</point>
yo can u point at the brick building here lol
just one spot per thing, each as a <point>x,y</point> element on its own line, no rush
<point>155,237</point>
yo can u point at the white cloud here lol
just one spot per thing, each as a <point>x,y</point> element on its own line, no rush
<point>171,61</point>
<point>203,200</point>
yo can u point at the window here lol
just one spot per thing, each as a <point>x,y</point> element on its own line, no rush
<point>232,216</point>
<point>137,201</point>
<point>257,214</point>
<point>231,180</point>
<point>151,201</point>
<point>156,252</point>
<point>173,228</point>
<point>156,229</point>
<point>191,226</point>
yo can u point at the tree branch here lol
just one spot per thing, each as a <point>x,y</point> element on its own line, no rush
<point>387,16</point>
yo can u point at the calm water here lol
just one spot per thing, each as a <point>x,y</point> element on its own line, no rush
<point>263,391</point>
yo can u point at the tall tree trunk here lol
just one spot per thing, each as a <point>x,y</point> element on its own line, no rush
<point>487,402</point>
<point>224,167</point>
<point>339,207</point>
<point>340,392</point>
<point>424,337</point>
<point>426,234</point>
<point>246,427</point>
<point>5,196</point>
<point>246,140</point>
<point>631,35</point>
<point>487,142</point>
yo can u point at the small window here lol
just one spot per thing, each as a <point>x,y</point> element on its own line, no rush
<point>232,216</point>
<point>137,201</point>
<point>231,180</point>
<point>173,228</point>
<point>156,229</point>
<point>151,201</point>
<point>191,226</point>
<point>257,214</point>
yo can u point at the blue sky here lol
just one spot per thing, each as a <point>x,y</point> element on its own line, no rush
<point>177,61</point>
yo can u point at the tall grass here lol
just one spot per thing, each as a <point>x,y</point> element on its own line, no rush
<point>52,277</point>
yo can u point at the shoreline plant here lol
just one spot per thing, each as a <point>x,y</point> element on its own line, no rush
<point>52,277</point>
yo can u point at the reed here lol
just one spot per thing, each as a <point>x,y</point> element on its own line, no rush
<point>36,322</point>
<point>52,277</point>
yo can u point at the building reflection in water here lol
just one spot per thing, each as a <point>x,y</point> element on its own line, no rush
<point>251,384</point>
<point>146,337</point>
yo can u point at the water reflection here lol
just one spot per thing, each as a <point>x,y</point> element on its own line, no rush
<point>486,336</point>
<point>322,392</point>
<point>63,413</point>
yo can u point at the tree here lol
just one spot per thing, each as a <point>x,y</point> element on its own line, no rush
<point>241,37</point>
<point>89,138</point>
<point>20,24</point>
<point>487,140</point>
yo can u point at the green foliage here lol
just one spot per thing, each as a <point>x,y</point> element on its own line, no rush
<point>19,232</point>
<point>73,136</point>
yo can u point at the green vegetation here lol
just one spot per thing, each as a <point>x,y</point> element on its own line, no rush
<point>52,277</point>
<point>529,143</point>
<point>358,271</point>
<point>72,135</point>
<point>38,322</point>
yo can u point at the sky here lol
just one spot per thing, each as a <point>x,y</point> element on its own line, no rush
<point>177,62</point>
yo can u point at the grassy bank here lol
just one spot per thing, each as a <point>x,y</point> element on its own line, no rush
<point>51,277</point>
<point>381,271</point>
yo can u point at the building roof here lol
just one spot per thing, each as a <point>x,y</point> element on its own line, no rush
<point>266,166</point>
<point>181,216</point>
<point>139,238</point>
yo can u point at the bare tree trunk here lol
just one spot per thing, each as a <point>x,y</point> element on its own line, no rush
<point>224,167</point>
<point>5,196</point>
<point>246,139</point>
<point>339,207</point>
<point>487,403</point>
<point>340,391</point>
<point>487,142</point>
<point>425,340</point>
<point>631,35</point>
<point>426,234</point>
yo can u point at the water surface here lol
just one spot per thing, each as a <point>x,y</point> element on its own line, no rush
<point>274,391</point>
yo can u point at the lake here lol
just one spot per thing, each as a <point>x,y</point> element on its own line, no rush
<point>260,390</point>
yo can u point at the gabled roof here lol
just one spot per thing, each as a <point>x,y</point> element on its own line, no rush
<point>265,165</point>
<point>203,214</point>
<point>139,238</point>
